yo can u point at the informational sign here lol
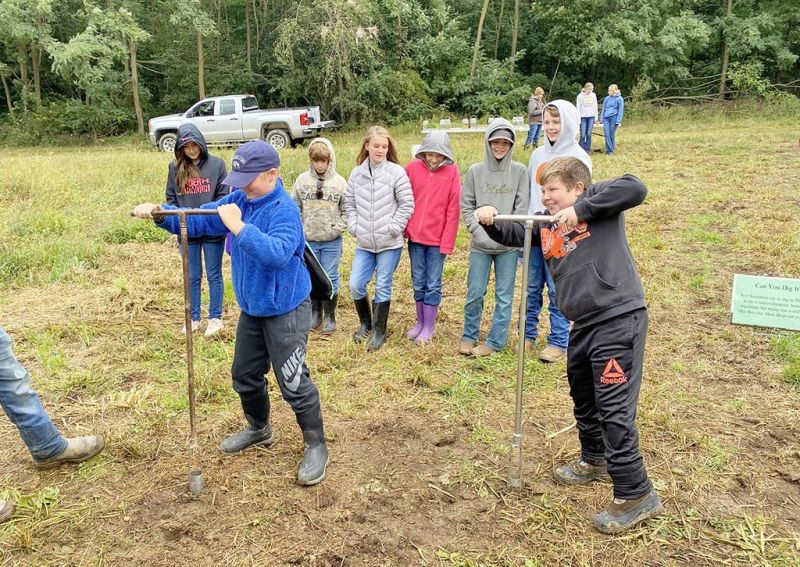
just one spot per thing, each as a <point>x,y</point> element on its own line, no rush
<point>763,301</point>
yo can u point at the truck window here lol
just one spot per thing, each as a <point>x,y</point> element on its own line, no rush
<point>249,103</point>
<point>227,106</point>
<point>205,108</point>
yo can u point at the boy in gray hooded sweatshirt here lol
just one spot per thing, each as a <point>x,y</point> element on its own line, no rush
<point>503,183</point>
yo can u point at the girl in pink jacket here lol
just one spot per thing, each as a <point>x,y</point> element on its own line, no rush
<point>431,231</point>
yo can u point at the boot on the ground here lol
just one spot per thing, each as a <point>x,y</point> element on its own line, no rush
<point>364,318</point>
<point>381,311</point>
<point>78,449</point>
<point>329,314</point>
<point>622,515</point>
<point>414,331</point>
<point>315,459</point>
<point>581,472</point>
<point>6,510</point>
<point>258,432</point>
<point>316,313</point>
<point>430,312</point>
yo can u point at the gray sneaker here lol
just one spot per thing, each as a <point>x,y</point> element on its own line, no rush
<point>247,438</point>
<point>315,459</point>
<point>78,449</point>
<point>6,510</point>
<point>624,514</point>
<point>581,472</point>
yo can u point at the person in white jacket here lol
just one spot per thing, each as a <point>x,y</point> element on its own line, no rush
<point>587,110</point>
<point>378,203</point>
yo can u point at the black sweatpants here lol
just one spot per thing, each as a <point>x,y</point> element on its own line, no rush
<point>280,342</point>
<point>604,367</point>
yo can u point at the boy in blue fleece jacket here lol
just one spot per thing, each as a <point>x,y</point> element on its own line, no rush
<point>272,285</point>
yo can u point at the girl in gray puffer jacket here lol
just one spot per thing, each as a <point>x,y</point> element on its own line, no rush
<point>378,203</point>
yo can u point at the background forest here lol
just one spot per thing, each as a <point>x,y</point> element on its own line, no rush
<point>105,67</point>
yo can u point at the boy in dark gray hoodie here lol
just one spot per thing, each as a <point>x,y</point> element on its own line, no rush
<point>599,288</point>
<point>503,183</point>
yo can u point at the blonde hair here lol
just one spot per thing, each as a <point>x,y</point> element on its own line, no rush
<point>588,85</point>
<point>614,88</point>
<point>539,91</point>
<point>373,131</point>
<point>570,170</point>
<point>319,151</point>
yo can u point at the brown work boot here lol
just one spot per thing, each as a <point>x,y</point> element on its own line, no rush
<point>529,344</point>
<point>483,350</point>
<point>465,347</point>
<point>6,510</point>
<point>78,450</point>
<point>622,515</point>
<point>581,472</point>
<point>552,354</point>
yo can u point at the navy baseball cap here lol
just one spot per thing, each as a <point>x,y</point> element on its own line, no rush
<point>249,160</point>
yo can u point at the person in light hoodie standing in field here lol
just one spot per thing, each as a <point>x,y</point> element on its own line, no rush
<point>379,203</point>
<point>587,110</point>
<point>431,232</point>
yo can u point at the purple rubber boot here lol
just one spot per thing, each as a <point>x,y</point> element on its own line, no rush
<point>414,332</point>
<point>429,317</point>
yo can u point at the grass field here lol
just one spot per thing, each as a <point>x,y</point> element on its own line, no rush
<point>418,436</point>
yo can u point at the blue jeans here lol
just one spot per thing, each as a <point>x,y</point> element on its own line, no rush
<point>587,123</point>
<point>329,253</point>
<point>533,134</point>
<point>366,263</point>
<point>212,252</point>
<point>505,271</point>
<point>427,264</point>
<point>609,133</point>
<point>538,276</point>
<point>23,407</point>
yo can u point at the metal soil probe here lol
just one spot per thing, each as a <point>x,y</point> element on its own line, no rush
<point>195,474</point>
<point>515,455</point>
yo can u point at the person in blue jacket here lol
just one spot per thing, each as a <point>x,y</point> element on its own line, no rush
<point>613,109</point>
<point>272,287</point>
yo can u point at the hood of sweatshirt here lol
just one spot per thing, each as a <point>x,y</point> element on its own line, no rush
<point>570,124</point>
<point>331,171</point>
<point>190,133</point>
<point>491,163</point>
<point>439,142</point>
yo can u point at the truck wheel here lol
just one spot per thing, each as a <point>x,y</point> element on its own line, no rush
<point>166,143</point>
<point>279,139</point>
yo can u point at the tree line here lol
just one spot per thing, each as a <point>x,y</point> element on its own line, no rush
<point>94,66</point>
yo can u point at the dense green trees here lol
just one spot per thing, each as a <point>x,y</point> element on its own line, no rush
<point>101,66</point>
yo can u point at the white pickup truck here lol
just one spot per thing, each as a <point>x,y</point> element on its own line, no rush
<point>237,118</point>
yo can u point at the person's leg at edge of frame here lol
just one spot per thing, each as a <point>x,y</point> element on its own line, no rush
<point>505,272</point>
<point>364,263</point>
<point>286,337</point>
<point>535,289</point>
<point>617,358</point>
<point>477,284</point>
<point>416,257</point>
<point>387,262</point>
<point>212,252</point>
<point>331,253</point>
<point>434,266</point>
<point>23,406</point>
<point>195,280</point>
<point>251,363</point>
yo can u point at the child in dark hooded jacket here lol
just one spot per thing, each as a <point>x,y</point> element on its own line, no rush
<point>432,228</point>
<point>194,179</point>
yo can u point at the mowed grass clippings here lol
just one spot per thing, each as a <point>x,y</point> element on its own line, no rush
<point>419,436</point>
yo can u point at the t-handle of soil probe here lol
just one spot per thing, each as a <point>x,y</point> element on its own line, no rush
<point>185,212</point>
<point>542,219</point>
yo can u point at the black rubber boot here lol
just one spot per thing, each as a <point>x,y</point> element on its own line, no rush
<point>381,311</point>
<point>316,313</point>
<point>365,318</point>
<point>329,315</point>
<point>315,459</point>
<point>258,431</point>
